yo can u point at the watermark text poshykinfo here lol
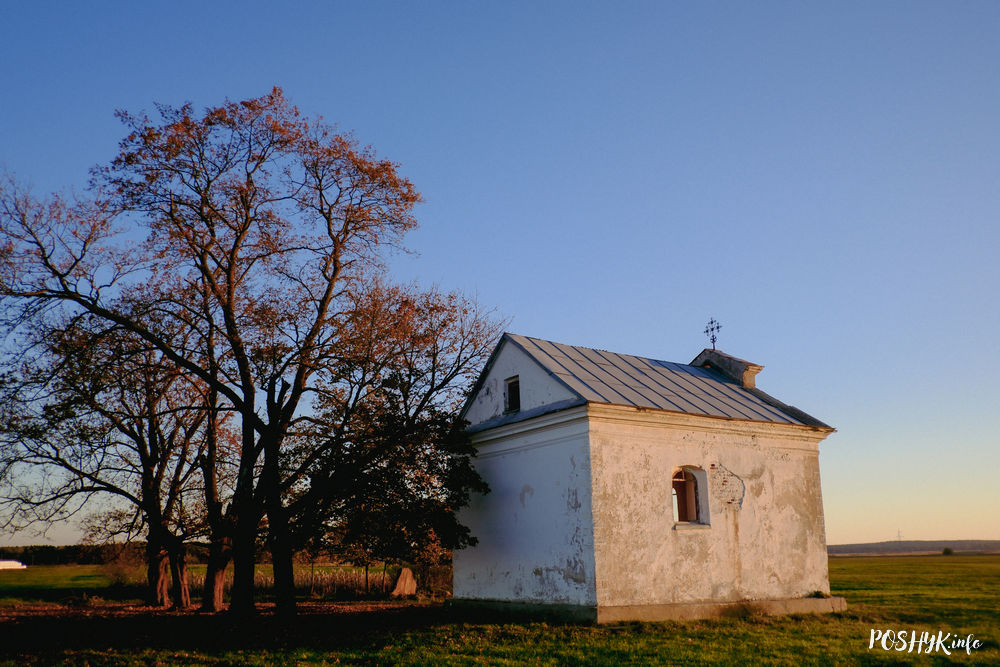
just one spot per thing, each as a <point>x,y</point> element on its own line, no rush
<point>910,641</point>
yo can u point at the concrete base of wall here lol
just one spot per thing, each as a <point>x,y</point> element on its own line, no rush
<point>695,610</point>
<point>654,612</point>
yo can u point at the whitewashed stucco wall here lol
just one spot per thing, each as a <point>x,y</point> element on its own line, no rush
<point>766,535</point>
<point>580,509</point>
<point>534,527</point>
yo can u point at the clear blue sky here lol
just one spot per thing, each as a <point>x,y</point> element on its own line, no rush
<point>823,179</point>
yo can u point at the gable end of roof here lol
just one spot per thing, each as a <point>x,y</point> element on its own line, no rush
<point>715,384</point>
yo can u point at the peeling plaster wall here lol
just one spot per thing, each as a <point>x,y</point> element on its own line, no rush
<point>765,538</point>
<point>534,527</point>
<point>537,386</point>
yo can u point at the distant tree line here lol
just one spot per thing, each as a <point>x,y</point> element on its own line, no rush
<point>206,348</point>
<point>70,554</point>
<point>91,554</point>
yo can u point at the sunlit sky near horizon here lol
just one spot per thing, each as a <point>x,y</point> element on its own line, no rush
<point>822,179</point>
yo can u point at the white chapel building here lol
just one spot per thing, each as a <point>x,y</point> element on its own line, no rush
<point>626,488</point>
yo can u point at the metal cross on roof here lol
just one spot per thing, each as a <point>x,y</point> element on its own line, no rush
<point>711,329</point>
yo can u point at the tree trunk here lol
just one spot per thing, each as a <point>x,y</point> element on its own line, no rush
<point>215,583</point>
<point>163,579</point>
<point>220,542</point>
<point>179,575</point>
<point>241,598</point>
<point>283,567</point>
<point>157,567</point>
<point>278,536</point>
<point>219,555</point>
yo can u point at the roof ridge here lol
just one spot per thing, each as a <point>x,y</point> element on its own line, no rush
<point>597,375</point>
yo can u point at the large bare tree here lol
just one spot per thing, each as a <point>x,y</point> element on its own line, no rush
<point>260,234</point>
<point>92,411</point>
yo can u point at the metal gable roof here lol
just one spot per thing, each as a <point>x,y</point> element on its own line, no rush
<point>599,376</point>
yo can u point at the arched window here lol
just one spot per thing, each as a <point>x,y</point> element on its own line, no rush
<point>685,496</point>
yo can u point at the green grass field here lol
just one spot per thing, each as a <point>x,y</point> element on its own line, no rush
<point>94,584</point>
<point>61,583</point>
<point>953,594</point>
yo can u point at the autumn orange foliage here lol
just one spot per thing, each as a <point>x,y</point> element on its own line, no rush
<point>243,247</point>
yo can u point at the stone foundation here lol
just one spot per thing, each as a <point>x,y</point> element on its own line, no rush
<point>655,612</point>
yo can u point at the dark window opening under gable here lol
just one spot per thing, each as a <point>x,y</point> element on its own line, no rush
<point>512,394</point>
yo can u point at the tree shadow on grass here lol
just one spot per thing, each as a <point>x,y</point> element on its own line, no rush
<point>42,630</point>
<point>75,595</point>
